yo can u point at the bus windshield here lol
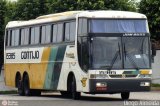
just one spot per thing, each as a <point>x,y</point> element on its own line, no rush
<point>120,52</point>
<point>118,26</point>
<point>112,50</point>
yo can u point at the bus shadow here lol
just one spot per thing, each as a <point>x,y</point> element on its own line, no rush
<point>89,98</point>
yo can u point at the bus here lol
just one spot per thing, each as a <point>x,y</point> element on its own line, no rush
<point>74,52</point>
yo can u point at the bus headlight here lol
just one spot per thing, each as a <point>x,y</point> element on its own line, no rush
<point>101,84</point>
<point>145,84</point>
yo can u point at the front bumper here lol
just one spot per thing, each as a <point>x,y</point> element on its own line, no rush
<point>119,85</point>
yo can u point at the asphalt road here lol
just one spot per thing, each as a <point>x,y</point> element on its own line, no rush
<point>55,99</point>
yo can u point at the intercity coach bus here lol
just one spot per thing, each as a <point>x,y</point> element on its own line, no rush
<point>94,52</point>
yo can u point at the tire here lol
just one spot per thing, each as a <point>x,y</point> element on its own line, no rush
<point>125,95</point>
<point>19,85</point>
<point>27,90</point>
<point>74,93</point>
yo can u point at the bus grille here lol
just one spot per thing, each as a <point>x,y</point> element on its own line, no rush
<point>123,76</point>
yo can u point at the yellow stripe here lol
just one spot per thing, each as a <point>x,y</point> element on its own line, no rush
<point>36,72</point>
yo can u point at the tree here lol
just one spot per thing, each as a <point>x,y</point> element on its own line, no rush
<point>68,5</point>
<point>2,26</point>
<point>152,10</point>
<point>30,9</point>
<point>10,11</point>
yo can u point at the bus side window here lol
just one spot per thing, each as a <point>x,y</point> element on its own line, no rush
<point>37,34</point>
<point>70,31</point>
<point>26,38</point>
<point>55,30</point>
<point>67,31</point>
<point>43,38</point>
<point>16,37</point>
<point>60,33</point>
<point>48,33</point>
<point>22,36</point>
<point>33,35</point>
<point>82,26</point>
<point>13,37</point>
<point>10,40</point>
<point>7,34</point>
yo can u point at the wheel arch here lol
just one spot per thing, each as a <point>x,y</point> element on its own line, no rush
<point>18,76</point>
<point>69,78</point>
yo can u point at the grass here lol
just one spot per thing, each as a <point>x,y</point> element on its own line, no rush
<point>8,92</point>
<point>155,85</point>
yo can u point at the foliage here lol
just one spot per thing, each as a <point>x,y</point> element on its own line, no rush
<point>2,17</point>
<point>2,26</point>
<point>66,5</point>
<point>152,10</point>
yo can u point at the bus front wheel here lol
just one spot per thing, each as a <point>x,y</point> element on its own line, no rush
<point>125,95</point>
<point>75,94</point>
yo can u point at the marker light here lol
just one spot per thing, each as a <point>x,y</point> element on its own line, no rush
<point>144,72</point>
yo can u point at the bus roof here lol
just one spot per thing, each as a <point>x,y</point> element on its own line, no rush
<point>73,14</point>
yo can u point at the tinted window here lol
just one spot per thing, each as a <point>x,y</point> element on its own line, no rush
<point>25,36</point>
<point>55,30</point>
<point>60,33</point>
<point>37,34</point>
<point>10,40</point>
<point>8,37</point>
<point>82,27</point>
<point>22,36</point>
<point>43,34</point>
<point>70,31</point>
<point>67,31</point>
<point>26,39</point>
<point>46,34</point>
<point>16,37</point>
<point>13,36</point>
<point>32,35</point>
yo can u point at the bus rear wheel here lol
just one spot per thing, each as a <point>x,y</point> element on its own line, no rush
<point>19,85</point>
<point>74,93</point>
<point>27,91</point>
<point>125,95</point>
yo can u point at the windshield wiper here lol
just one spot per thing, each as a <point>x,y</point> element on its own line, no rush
<point>130,58</point>
<point>115,57</point>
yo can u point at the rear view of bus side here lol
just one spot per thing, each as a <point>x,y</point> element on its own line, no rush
<point>94,52</point>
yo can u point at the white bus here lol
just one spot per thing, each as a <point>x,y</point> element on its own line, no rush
<point>94,52</point>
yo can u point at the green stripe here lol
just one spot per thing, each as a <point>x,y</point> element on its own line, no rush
<point>54,68</point>
<point>48,79</point>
